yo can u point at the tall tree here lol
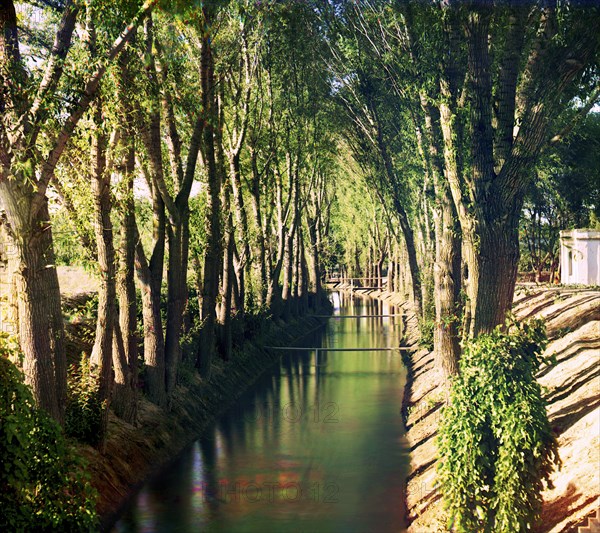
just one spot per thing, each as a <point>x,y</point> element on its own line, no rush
<point>502,88</point>
<point>30,148</point>
<point>212,255</point>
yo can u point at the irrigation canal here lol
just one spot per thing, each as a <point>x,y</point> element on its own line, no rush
<point>316,445</point>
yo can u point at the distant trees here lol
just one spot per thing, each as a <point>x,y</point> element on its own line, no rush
<point>565,194</point>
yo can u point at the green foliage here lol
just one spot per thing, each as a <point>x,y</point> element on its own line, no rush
<point>256,321</point>
<point>84,408</point>
<point>67,245</point>
<point>42,484</point>
<point>191,338</point>
<point>564,195</point>
<point>427,326</point>
<point>86,311</point>
<point>426,329</point>
<point>496,445</point>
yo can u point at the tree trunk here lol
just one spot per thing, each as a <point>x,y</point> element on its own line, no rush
<point>447,280</point>
<point>275,290</point>
<point>261,258</point>
<point>314,273</point>
<point>176,299</point>
<point>102,356</point>
<point>124,398</point>
<point>126,382</point>
<point>150,278</point>
<point>126,385</point>
<point>447,268</point>
<point>150,272</point>
<point>492,273</point>
<point>154,344</point>
<point>212,255</point>
<point>40,325</point>
<point>227,290</point>
<point>242,223</point>
<point>303,282</point>
<point>391,286</point>
<point>286,287</point>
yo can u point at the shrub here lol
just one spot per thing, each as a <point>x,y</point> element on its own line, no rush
<point>42,483</point>
<point>84,410</point>
<point>426,329</point>
<point>496,446</point>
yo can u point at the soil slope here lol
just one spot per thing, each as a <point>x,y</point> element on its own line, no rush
<point>132,454</point>
<point>572,389</point>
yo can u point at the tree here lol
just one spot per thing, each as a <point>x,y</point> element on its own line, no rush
<point>502,87</point>
<point>370,107</point>
<point>29,152</point>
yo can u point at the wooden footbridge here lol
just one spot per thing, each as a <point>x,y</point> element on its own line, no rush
<point>357,284</point>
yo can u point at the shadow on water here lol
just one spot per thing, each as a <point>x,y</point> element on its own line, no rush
<point>316,445</point>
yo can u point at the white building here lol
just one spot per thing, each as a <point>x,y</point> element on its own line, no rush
<point>580,257</point>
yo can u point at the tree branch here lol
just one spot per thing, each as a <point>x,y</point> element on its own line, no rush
<point>91,87</point>
<point>54,68</point>
<point>581,113</point>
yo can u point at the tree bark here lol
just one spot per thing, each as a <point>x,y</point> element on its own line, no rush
<point>212,255</point>
<point>447,268</point>
<point>126,381</point>
<point>40,324</point>
<point>154,344</point>
<point>242,224</point>
<point>102,355</point>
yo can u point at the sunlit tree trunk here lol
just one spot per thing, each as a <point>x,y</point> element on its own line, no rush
<point>150,274</point>
<point>303,283</point>
<point>40,325</point>
<point>509,124</point>
<point>227,278</point>
<point>150,270</point>
<point>126,381</point>
<point>102,355</point>
<point>447,267</point>
<point>288,265</point>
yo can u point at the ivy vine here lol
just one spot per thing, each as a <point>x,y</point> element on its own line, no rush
<point>496,445</point>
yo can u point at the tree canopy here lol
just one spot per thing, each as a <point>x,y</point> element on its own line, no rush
<point>212,162</point>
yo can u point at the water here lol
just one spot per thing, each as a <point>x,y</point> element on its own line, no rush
<point>316,445</point>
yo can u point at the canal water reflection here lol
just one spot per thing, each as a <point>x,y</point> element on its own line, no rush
<point>316,445</point>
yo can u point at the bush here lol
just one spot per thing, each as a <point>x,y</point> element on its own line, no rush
<point>426,330</point>
<point>42,484</point>
<point>84,410</point>
<point>427,325</point>
<point>496,446</point>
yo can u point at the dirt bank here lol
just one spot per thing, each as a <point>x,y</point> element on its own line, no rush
<point>132,454</point>
<point>572,389</point>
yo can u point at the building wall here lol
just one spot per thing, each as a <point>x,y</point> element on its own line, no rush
<point>580,257</point>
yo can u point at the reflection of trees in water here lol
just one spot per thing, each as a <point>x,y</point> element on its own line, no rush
<point>210,484</point>
<point>193,493</point>
<point>287,386</point>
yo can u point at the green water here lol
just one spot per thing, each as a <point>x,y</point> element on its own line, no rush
<point>316,445</point>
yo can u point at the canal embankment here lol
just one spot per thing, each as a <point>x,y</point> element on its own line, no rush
<point>132,454</point>
<point>571,388</point>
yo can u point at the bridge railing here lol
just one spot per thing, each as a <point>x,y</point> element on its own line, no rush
<point>374,282</point>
